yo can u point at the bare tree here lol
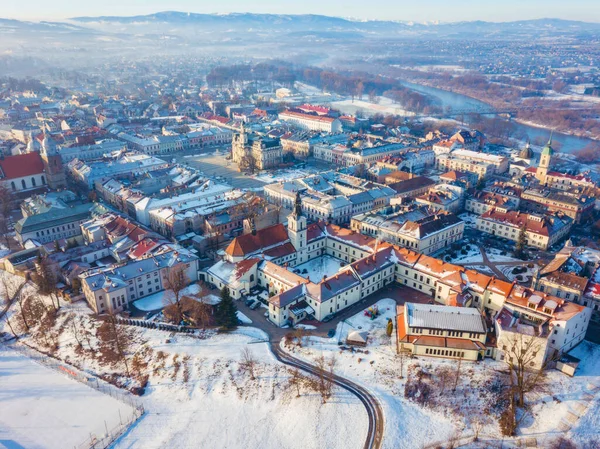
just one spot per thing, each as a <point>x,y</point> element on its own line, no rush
<point>445,376</point>
<point>175,280</point>
<point>4,230</point>
<point>401,358</point>
<point>457,376</point>
<point>46,279</point>
<point>477,424</point>
<point>525,373</point>
<point>115,337</point>
<point>297,380</point>
<point>248,362</point>
<point>248,162</point>
<point>325,373</point>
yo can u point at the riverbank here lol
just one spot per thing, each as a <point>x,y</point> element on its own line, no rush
<point>460,100</point>
<point>569,143</point>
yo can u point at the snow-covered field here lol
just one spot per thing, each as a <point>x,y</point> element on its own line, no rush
<point>318,267</point>
<point>41,408</point>
<point>219,406</point>
<point>446,415</point>
<point>384,106</point>
<point>407,425</point>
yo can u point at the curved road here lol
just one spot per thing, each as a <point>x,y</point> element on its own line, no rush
<point>374,410</point>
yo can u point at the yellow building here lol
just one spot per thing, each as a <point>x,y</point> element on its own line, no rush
<point>441,331</point>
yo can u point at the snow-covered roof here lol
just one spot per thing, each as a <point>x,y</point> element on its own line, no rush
<point>465,319</point>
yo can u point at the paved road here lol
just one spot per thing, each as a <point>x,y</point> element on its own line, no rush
<point>399,293</point>
<point>372,405</point>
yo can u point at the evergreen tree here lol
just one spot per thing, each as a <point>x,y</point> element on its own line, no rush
<point>521,242</point>
<point>226,313</point>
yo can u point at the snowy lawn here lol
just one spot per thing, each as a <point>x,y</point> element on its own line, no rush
<point>362,322</point>
<point>495,255</point>
<point>319,267</point>
<point>210,401</point>
<point>471,255</point>
<point>158,301</point>
<point>42,408</point>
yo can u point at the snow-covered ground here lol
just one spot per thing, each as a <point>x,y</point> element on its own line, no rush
<point>158,301</point>
<point>469,219</point>
<point>383,106</point>
<point>284,175</point>
<point>220,406</point>
<point>4,251</point>
<point>472,255</point>
<point>197,392</point>
<point>243,318</point>
<point>495,255</point>
<point>407,425</point>
<point>318,267</point>
<point>43,409</point>
<point>555,411</point>
<point>507,270</point>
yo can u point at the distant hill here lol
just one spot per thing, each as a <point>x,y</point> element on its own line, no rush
<point>248,22</point>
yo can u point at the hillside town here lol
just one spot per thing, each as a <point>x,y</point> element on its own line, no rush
<point>403,265</point>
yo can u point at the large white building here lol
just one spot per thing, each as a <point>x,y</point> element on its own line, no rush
<point>272,260</point>
<point>541,231</point>
<point>312,122</point>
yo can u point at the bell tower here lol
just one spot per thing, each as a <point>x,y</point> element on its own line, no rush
<point>297,230</point>
<point>545,162</point>
<point>55,173</point>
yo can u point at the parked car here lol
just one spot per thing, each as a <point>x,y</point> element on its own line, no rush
<point>249,302</point>
<point>328,318</point>
<point>255,306</point>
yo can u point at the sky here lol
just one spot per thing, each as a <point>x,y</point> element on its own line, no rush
<point>406,10</point>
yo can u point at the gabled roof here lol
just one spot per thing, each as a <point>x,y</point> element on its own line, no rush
<point>21,165</point>
<point>263,239</point>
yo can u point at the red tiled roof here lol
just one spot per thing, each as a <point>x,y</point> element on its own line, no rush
<point>279,251</point>
<point>22,165</point>
<point>265,238</point>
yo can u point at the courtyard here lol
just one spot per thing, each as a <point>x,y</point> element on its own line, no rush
<point>316,269</point>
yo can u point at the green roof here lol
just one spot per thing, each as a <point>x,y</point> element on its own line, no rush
<point>548,150</point>
<point>54,217</point>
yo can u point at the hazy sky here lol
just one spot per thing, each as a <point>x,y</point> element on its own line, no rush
<point>424,10</point>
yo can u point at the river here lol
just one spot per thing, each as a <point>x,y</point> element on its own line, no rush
<point>444,98</point>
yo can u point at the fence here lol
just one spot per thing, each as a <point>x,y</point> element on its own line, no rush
<point>111,435</point>
<point>159,326</point>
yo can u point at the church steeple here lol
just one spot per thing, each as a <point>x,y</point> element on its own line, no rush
<point>298,205</point>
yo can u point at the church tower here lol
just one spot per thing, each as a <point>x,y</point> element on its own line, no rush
<point>545,161</point>
<point>297,230</point>
<point>55,173</point>
<point>238,145</point>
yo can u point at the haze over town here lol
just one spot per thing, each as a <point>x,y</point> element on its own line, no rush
<point>299,224</point>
